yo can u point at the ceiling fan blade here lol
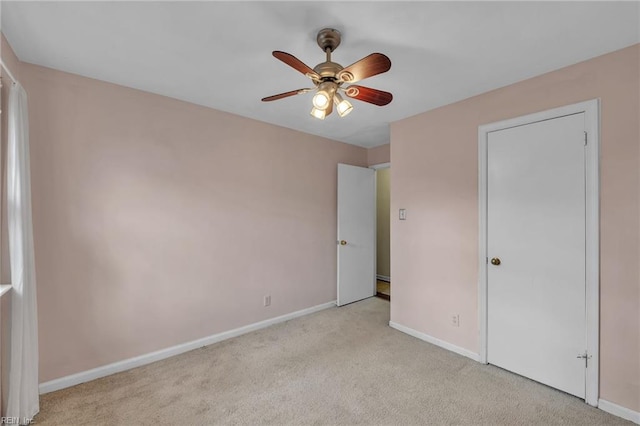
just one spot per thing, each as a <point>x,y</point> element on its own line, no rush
<point>285,95</point>
<point>296,63</point>
<point>371,65</point>
<point>366,94</point>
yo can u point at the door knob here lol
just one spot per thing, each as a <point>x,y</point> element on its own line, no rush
<point>495,261</point>
<point>343,243</point>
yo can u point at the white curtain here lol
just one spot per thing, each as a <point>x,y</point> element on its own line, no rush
<point>23,401</point>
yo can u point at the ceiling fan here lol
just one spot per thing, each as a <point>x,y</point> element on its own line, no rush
<point>328,78</point>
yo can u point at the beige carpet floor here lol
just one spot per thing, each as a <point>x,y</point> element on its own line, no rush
<point>339,366</point>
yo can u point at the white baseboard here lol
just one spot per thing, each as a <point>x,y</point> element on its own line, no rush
<point>435,341</point>
<point>383,278</point>
<point>620,411</point>
<point>127,364</point>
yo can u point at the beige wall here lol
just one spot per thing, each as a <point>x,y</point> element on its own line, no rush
<point>434,176</point>
<point>383,189</point>
<point>379,155</point>
<point>158,222</point>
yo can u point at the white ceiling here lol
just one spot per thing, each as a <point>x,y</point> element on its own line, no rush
<point>218,54</point>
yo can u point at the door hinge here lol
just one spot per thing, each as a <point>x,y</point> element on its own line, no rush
<point>585,138</point>
<point>586,358</point>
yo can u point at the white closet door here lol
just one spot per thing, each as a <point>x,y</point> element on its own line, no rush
<point>536,228</point>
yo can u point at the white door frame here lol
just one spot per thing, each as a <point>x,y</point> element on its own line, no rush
<point>591,110</point>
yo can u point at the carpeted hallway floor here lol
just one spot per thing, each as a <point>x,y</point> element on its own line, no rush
<point>383,289</point>
<point>339,366</point>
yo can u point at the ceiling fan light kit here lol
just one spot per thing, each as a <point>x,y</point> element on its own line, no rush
<point>328,78</point>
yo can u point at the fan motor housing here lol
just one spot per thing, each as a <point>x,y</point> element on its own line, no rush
<point>328,70</point>
<point>328,38</point>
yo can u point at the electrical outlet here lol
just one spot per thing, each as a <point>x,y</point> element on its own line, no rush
<point>267,300</point>
<point>455,320</point>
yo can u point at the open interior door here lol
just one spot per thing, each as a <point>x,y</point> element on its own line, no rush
<point>356,233</point>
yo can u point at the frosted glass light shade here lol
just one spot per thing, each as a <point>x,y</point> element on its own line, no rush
<point>324,96</point>
<point>318,113</point>
<point>321,100</point>
<point>343,106</point>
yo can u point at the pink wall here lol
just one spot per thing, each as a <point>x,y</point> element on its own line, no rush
<point>157,222</point>
<point>434,176</point>
<point>379,155</point>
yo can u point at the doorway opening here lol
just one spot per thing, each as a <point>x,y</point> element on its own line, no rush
<point>383,225</point>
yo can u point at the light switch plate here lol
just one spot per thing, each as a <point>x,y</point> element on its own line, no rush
<point>403,214</point>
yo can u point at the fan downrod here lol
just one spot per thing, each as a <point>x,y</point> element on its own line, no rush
<point>328,38</point>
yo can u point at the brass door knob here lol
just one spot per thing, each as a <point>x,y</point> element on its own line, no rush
<point>495,261</point>
<point>343,243</point>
